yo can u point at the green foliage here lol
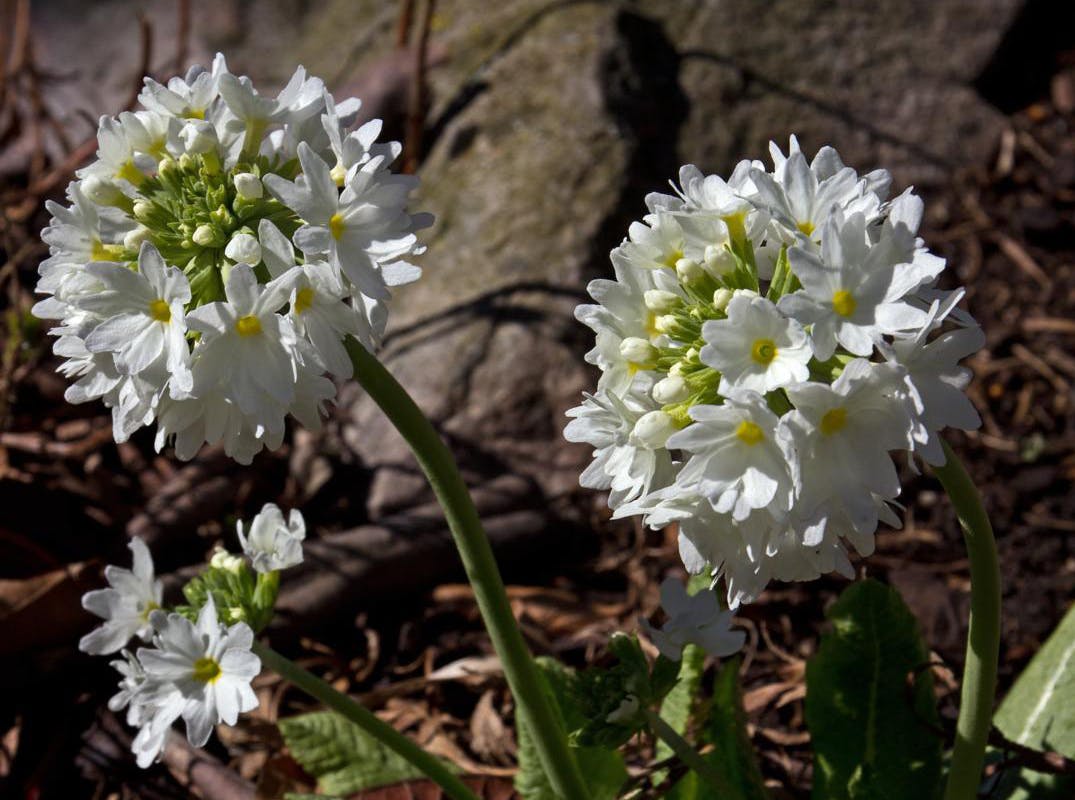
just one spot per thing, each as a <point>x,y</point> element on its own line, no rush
<point>344,758</point>
<point>870,723</point>
<point>612,699</point>
<point>732,754</point>
<point>240,594</point>
<point>603,769</point>
<point>1039,713</point>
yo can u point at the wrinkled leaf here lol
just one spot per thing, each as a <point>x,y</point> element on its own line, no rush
<point>343,757</point>
<point>1039,713</point>
<point>870,726</point>
<point>603,770</point>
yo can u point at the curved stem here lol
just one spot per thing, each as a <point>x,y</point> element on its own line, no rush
<point>431,766</point>
<point>983,635</point>
<point>535,708</point>
<point>687,754</point>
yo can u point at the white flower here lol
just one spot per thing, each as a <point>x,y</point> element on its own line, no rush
<point>359,228</point>
<point>937,379</point>
<point>125,606</point>
<point>737,462</point>
<point>696,619</point>
<point>271,543</point>
<point>152,706</point>
<point>756,347</point>
<point>854,290</point>
<point>319,313</point>
<point>623,460</point>
<point>210,665</point>
<point>243,249</point>
<point>843,434</point>
<point>143,316</point>
<point>246,345</point>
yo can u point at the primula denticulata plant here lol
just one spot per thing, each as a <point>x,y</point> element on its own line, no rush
<point>767,344</point>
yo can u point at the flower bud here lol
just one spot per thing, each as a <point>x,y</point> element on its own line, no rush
<point>637,350</point>
<point>102,191</point>
<point>204,235</point>
<point>243,249</point>
<point>187,162</point>
<point>134,238</point>
<point>666,323</point>
<point>166,166</point>
<point>653,429</point>
<point>248,186</point>
<point>672,389</point>
<point>719,260</point>
<point>721,298</point>
<point>142,209</point>
<point>198,136</point>
<point>689,270</point>
<point>222,559</point>
<point>660,301</point>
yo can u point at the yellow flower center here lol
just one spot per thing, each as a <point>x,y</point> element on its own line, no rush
<point>749,433</point>
<point>336,225</point>
<point>160,311</point>
<point>304,298</point>
<point>195,113</point>
<point>149,609</point>
<point>99,251</point>
<point>834,421</point>
<point>673,257</point>
<point>763,351</point>
<point>248,325</point>
<point>129,172</point>
<point>806,227</point>
<point>843,303</point>
<point>206,670</point>
<point>338,174</point>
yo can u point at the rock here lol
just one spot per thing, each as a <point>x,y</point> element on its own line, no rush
<point>532,180</point>
<point>887,84</point>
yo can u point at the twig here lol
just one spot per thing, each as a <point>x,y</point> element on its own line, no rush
<point>403,25</point>
<point>182,40</point>
<point>145,31</point>
<point>412,145</point>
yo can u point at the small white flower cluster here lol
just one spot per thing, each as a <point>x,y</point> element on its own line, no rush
<point>217,253</point>
<point>200,670</point>
<point>766,343</point>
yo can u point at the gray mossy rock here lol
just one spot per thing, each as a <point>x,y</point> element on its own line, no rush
<point>887,84</point>
<point>527,182</point>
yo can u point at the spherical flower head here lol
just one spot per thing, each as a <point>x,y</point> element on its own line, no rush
<point>175,203</point>
<point>210,666</point>
<point>125,606</point>
<point>767,343</point>
<point>271,543</point>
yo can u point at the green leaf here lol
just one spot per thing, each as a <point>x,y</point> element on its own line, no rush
<point>343,757</point>
<point>1038,713</point>
<point>733,752</point>
<point>871,726</point>
<point>603,770</point>
<point>679,705</point>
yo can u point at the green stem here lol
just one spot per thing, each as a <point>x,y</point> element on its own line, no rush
<point>687,754</point>
<point>535,709</point>
<point>431,766</point>
<point>983,635</point>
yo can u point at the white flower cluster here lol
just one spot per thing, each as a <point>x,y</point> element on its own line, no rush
<point>199,670</point>
<point>218,252</point>
<point>766,343</point>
